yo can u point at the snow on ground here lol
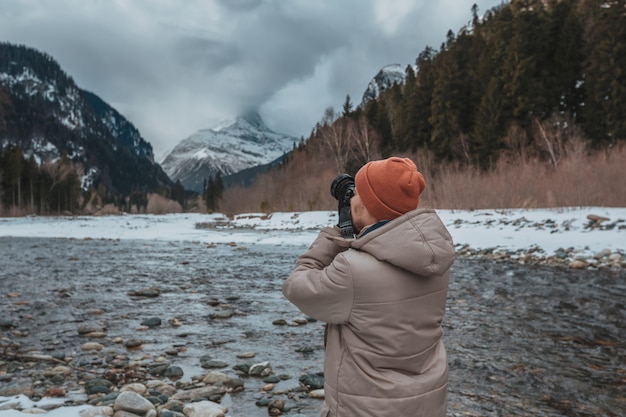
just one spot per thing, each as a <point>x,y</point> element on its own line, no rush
<point>9,407</point>
<point>514,229</point>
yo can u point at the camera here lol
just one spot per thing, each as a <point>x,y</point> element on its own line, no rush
<point>342,189</point>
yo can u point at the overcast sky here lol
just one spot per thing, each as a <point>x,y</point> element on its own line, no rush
<point>173,67</point>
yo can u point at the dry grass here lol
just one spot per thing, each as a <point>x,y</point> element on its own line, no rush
<point>158,204</point>
<point>303,186</point>
<point>580,178</point>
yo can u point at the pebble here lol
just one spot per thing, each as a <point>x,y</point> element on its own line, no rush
<point>317,394</point>
<point>91,346</point>
<point>313,381</point>
<point>95,335</point>
<point>86,328</point>
<point>276,407</point>
<point>578,264</point>
<point>151,322</point>
<point>222,314</point>
<point>261,369</point>
<point>133,403</point>
<point>97,411</point>
<point>533,256</point>
<point>133,343</point>
<point>138,388</point>
<point>205,409</point>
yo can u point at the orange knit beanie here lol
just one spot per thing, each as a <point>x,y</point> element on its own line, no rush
<point>389,187</point>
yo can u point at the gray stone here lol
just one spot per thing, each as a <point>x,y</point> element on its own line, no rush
<point>196,394</point>
<point>98,386</point>
<point>168,413</point>
<point>7,324</point>
<point>132,402</point>
<point>96,412</point>
<point>212,364</point>
<point>133,343</point>
<point>151,322</point>
<point>260,369</point>
<point>89,328</point>
<point>123,413</point>
<point>317,393</point>
<point>313,381</point>
<point>272,379</point>
<point>174,372</point>
<point>205,409</point>
<point>222,314</point>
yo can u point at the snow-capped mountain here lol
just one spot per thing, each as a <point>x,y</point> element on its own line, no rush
<point>386,77</point>
<point>228,148</point>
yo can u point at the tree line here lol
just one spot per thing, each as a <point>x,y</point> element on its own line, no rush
<point>503,76</point>
<point>31,186</point>
<point>52,187</point>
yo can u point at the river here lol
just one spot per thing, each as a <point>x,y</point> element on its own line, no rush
<point>522,340</point>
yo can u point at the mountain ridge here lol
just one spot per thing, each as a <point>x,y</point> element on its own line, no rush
<point>48,116</point>
<point>229,147</point>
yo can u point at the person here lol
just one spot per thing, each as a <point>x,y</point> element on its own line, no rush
<point>382,296</point>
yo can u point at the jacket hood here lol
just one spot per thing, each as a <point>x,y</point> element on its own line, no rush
<point>417,241</point>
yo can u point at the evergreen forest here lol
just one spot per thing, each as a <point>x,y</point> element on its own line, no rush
<point>524,63</point>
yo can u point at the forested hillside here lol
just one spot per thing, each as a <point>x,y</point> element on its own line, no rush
<point>63,149</point>
<point>529,82</point>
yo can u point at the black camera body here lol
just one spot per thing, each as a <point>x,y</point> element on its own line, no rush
<point>342,189</point>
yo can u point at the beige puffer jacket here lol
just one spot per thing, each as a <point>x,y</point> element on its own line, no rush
<point>383,296</point>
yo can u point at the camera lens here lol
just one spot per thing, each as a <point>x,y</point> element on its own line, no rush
<point>342,184</point>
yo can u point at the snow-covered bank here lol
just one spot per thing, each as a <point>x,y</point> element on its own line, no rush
<point>582,232</point>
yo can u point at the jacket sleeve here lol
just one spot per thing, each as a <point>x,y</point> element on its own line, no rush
<point>321,283</point>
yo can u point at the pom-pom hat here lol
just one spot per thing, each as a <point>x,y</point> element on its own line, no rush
<point>390,187</point>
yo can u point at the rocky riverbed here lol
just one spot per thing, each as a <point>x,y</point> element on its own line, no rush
<point>171,329</point>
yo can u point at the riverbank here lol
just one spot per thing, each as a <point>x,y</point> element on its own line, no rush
<point>573,237</point>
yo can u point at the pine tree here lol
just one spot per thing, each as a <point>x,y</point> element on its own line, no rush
<point>14,167</point>
<point>178,194</point>
<point>347,106</point>
<point>488,126</point>
<point>605,84</point>
<point>418,103</point>
<point>219,188</point>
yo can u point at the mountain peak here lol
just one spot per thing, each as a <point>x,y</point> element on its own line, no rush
<point>254,119</point>
<point>230,147</point>
<point>251,118</point>
<point>388,76</point>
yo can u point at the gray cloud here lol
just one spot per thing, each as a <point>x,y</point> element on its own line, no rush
<point>175,67</point>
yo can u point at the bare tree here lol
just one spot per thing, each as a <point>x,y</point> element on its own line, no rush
<point>516,142</point>
<point>364,140</point>
<point>334,140</point>
<point>556,133</point>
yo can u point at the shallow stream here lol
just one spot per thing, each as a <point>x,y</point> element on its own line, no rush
<point>522,340</point>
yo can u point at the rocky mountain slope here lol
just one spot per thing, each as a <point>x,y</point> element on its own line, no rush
<point>44,112</point>
<point>229,148</point>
